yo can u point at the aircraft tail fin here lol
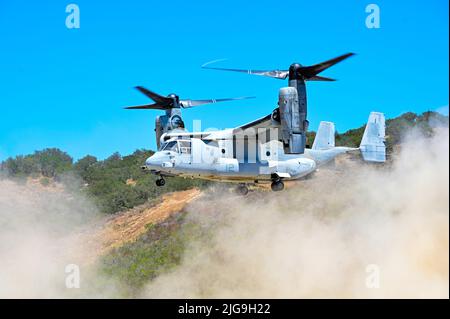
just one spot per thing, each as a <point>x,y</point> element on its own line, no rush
<point>372,145</point>
<point>324,137</point>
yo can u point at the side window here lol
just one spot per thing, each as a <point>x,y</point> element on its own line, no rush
<point>185,147</point>
<point>211,143</point>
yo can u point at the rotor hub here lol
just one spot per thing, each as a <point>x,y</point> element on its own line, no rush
<point>294,71</point>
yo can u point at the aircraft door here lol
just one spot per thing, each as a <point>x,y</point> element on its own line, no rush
<point>226,148</point>
<point>185,149</point>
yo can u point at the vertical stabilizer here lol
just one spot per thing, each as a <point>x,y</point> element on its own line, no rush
<point>325,136</point>
<point>372,145</point>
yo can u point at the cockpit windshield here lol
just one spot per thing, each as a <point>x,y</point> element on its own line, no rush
<point>180,146</point>
<point>171,146</point>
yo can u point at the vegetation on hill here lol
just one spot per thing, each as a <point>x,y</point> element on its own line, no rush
<point>156,252</point>
<point>114,184</point>
<point>48,163</point>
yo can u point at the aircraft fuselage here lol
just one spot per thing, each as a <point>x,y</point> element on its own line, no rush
<point>195,158</point>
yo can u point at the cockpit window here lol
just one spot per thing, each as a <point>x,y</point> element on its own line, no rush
<point>171,146</point>
<point>185,147</point>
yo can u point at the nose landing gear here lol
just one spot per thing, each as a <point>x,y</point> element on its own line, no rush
<point>160,182</point>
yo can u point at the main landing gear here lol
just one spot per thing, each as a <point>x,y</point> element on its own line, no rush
<point>277,185</point>
<point>160,182</point>
<point>242,189</point>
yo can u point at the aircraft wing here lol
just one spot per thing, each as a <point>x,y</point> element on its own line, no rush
<point>258,126</point>
<point>200,135</point>
<point>261,123</point>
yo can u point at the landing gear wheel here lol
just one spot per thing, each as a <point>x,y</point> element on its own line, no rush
<point>277,186</point>
<point>242,190</point>
<point>160,182</point>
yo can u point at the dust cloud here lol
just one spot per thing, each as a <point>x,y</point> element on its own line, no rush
<point>39,238</point>
<point>359,231</point>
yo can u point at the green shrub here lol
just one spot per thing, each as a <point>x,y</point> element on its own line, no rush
<point>157,251</point>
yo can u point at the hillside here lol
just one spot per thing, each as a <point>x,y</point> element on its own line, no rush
<point>126,227</point>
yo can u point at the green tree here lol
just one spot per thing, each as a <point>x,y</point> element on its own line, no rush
<point>53,161</point>
<point>84,165</point>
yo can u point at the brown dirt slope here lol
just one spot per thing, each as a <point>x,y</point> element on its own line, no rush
<point>129,225</point>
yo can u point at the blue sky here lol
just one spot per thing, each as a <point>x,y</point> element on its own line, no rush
<point>66,88</point>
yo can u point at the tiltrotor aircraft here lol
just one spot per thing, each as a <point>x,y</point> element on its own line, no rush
<point>271,149</point>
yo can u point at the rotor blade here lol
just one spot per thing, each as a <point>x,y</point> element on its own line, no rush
<point>152,95</point>
<point>320,78</point>
<point>277,74</point>
<point>192,103</point>
<point>155,106</point>
<point>310,71</point>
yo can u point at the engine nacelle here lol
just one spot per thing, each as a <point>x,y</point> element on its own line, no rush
<point>293,127</point>
<point>165,123</point>
<point>159,130</point>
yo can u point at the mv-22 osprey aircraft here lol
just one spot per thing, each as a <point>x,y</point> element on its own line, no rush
<point>271,149</point>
